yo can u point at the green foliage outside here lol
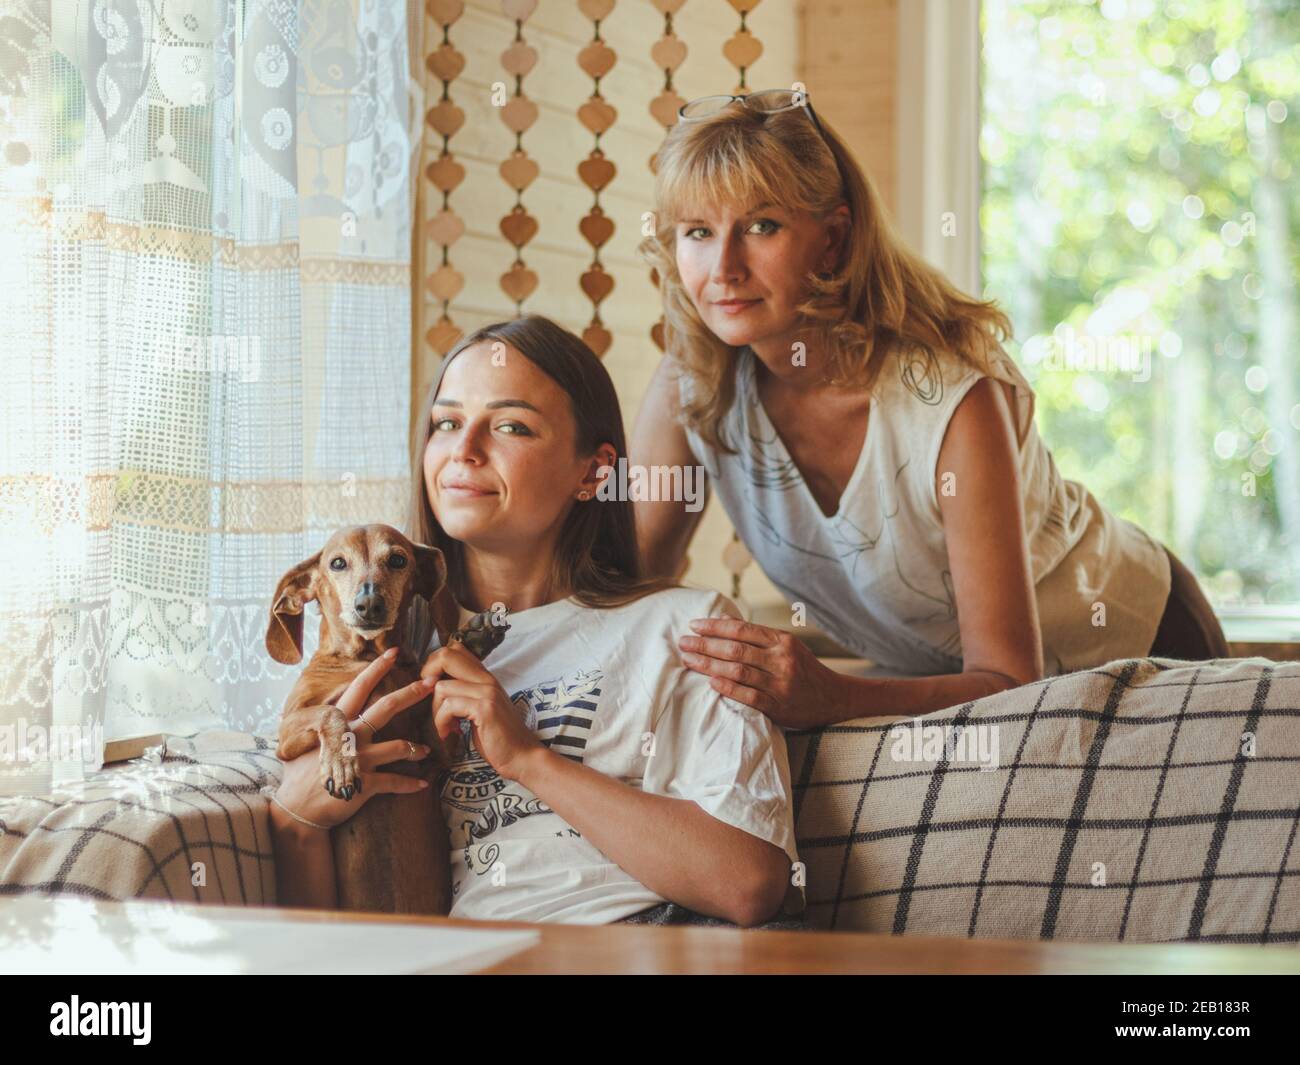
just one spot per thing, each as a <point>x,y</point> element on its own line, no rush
<point>1139,224</point>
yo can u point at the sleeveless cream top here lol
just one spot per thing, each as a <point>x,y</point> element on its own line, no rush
<point>874,576</point>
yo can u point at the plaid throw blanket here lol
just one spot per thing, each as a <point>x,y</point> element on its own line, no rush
<point>185,824</point>
<point>1149,800</point>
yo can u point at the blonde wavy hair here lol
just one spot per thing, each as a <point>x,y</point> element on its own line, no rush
<point>880,300</point>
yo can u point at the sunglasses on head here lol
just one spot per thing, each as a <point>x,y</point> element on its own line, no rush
<point>765,101</point>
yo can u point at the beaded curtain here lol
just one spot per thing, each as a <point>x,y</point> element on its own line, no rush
<point>496,49</point>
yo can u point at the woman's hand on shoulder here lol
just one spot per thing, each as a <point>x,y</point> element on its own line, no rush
<point>469,692</point>
<point>768,669</point>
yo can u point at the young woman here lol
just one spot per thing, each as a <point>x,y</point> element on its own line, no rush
<point>871,442</point>
<point>596,778</point>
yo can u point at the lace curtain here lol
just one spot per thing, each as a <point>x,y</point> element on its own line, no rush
<point>205,238</point>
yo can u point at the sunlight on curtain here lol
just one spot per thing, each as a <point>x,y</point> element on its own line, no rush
<point>204,269</point>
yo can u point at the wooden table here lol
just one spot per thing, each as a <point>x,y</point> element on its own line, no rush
<point>625,949</point>
<point>157,937</point>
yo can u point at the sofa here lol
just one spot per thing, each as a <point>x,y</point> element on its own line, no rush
<point>1146,800</point>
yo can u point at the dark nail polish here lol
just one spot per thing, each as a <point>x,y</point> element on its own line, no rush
<point>358,785</point>
<point>329,785</point>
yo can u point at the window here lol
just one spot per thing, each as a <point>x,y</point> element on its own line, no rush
<point>1139,219</point>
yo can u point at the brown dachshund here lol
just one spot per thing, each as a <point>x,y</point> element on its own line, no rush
<point>392,855</point>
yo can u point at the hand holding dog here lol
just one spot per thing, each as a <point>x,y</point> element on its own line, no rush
<point>468,691</point>
<point>300,788</point>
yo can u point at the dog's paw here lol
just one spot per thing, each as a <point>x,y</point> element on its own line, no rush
<point>339,772</point>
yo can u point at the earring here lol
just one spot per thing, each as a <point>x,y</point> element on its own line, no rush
<point>584,494</point>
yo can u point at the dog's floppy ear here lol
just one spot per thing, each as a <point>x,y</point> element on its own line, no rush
<point>296,589</point>
<point>446,614</point>
<point>430,571</point>
<point>432,584</point>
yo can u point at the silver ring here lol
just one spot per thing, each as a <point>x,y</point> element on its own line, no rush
<point>410,748</point>
<point>368,725</point>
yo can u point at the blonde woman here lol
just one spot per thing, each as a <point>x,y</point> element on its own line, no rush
<point>871,442</point>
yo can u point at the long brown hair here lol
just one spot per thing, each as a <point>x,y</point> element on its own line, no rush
<point>881,300</point>
<point>596,556</point>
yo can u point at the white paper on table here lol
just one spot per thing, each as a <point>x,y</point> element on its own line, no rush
<point>45,935</point>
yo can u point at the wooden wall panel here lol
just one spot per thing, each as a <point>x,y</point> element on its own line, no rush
<point>848,60</point>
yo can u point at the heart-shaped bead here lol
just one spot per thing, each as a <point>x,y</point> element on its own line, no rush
<point>445,228</point>
<point>442,336</point>
<point>445,62</point>
<point>519,10</point>
<point>669,7</point>
<point>519,227</point>
<point>665,106</point>
<point>445,172</point>
<point>742,50</point>
<point>445,12</point>
<point>596,283</point>
<point>518,283</point>
<point>597,227</point>
<point>597,115</point>
<point>743,6</point>
<point>519,59</point>
<point>657,334</point>
<point>519,171</point>
<point>445,117</point>
<point>445,282</point>
<point>598,338</point>
<point>597,59</point>
<point>596,172</point>
<point>668,53</point>
<point>519,113</point>
<point>596,9</point>
<point>736,557</point>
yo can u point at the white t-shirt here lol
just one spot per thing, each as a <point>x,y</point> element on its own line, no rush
<point>603,687</point>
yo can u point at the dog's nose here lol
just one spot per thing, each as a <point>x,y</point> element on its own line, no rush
<point>368,605</point>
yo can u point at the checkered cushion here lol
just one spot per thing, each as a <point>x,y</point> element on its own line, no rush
<point>186,824</point>
<point>1148,800</point>
<point>1124,805</point>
